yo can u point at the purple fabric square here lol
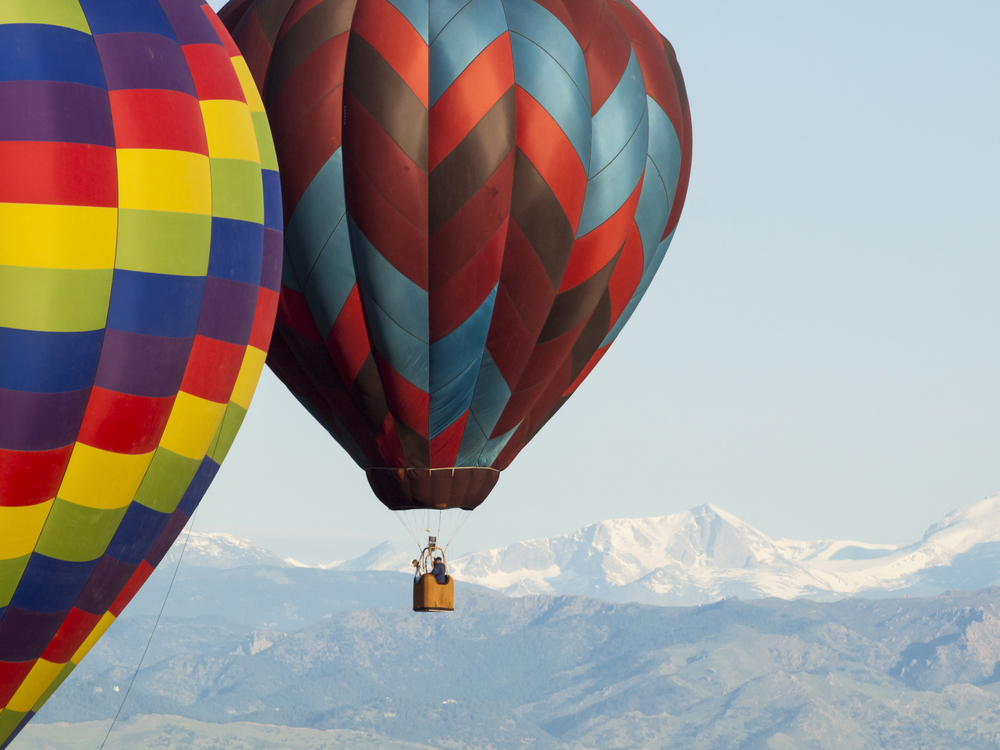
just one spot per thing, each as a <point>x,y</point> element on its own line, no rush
<point>228,309</point>
<point>135,60</point>
<point>143,365</point>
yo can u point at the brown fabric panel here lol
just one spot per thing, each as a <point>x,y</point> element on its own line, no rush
<point>272,15</point>
<point>388,99</point>
<point>573,305</point>
<point>413,489</point>
<point>320,24</point>
<point>539,214</point>
<point>231,13</point>
<point>367,394</point>
<point>416,448</point>
<point>668,48</point>
<point>593,334</point>
<point>467,168</point>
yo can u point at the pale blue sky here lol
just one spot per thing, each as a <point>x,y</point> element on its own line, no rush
<point>820,351</point>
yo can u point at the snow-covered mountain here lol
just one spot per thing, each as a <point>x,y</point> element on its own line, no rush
<point>706,554</point>
<point>695,557</point>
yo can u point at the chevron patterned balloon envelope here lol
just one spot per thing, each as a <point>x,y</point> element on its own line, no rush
<point>140,245</point>
<point>476,196</point>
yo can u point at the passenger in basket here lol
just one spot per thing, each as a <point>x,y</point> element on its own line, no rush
<point>439,572</point>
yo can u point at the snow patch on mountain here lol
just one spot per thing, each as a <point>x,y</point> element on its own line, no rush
<point>217,550</point>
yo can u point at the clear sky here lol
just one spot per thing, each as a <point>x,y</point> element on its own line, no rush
<point>820,352</point>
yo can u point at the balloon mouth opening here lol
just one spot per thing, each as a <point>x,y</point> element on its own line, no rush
<point>464,487</point>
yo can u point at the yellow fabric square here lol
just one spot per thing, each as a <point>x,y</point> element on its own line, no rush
<point>192,425</point>
<point>66,13</point>
<point>102,479</point>
<point>230,130</point>
<point>95,635</point>
<point>246,382</point>
<point>38,679</point>
<point>249,86</point>
<point>40,236</point>
<point>20,527</point>
<point>181,181</point>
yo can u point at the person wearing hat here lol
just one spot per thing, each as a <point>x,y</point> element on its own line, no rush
<point>439,572</point>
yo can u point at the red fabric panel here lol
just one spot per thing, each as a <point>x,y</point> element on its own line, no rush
<point>398,240</point>
<point>65,174</point>
<point>212,369</point>
<point>587,369</point>
<point>389,445</point>
<point>293,311</point>
<point>131,588</point>
<point>123,423</point>
<point>579,16</point>
<point>348,341</point>
<point>594,250</point>
<point>607,57</point>
<point>31,477</point>
<point>312,80</point>
<point>453,302</point>
<point>212,71</point>
<point>468,231</point>
<point>444,446</point>
<point>627,274</point>
<point>256,50</point>
<point>71,634</point>
<point>660,85</point>
<point>12,674</point>
<point>160,119</point>
<point>509,341</point>
<point>551,153</point>
<point>469,98</point>
<point>263,319</point>
<point>526,280</point>
<point>299,9</point>
<point>309,147</point>
<point>407,401</point>
<point>387,30</point>
<point>390,171</point>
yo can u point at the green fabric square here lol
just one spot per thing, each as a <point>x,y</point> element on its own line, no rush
<point>167,479</point>
<point>265,144</point>
<point>165,242</point>
<point>237,190</point>
<point>76,533</point>
<point>231,423</point>
<point>54,299</point>
<point>10,575</point>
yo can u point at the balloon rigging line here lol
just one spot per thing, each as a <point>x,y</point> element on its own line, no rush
<point>155,625</point>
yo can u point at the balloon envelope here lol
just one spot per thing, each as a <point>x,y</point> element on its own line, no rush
<point>477,196</point>
<point>140,240</point>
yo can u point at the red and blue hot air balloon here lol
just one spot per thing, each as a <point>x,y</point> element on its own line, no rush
<point>477,196</point>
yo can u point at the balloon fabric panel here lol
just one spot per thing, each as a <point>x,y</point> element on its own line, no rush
<point>140,241</point>
<point>477,196</point>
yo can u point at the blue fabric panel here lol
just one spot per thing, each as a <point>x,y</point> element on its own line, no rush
<point>138,530</point>
<point>45,362</point>
<point>236,250</point>
<point>39,52</point>
<point>316,215</point>
<point>441,13</point>
<point>493,448</point>
<point>538,73</point>
<point>453,399</point>
<point>416,12</point>
<point>273,217</point>
<point>400,299</point>
<point>110,16</point>
<point>473,442</point>
<point>608,190</point>
<point>409,356</point>
<point>288,276</point>
<point>199,485</point>
<point>616,121</point>
<point>532,21</point>
<point>492,394</point>
<point>331,280</point>
<point>453,353</point>
<point>155,304</point>
<point>652,212</point>
<point>647,278</point>
<point>470,32</point>
<point>50,585</point>
<point>664,148</point>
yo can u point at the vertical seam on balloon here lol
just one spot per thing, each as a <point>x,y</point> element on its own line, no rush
<point>318,102</point>
<point>376,189</point>
<point>561,66</point>
<point>596,27</point>
<point>322,248</point>
<point>645,113</point>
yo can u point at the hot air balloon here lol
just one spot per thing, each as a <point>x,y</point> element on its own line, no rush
<point>476,197</point>
<point>140,242</point>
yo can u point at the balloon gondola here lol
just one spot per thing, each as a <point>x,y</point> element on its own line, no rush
<point>430,594</point>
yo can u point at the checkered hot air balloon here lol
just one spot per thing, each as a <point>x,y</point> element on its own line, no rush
<point>476,195</point>
<point>140,242</point>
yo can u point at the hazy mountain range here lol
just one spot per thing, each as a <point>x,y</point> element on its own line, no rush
<point>694,557</point>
